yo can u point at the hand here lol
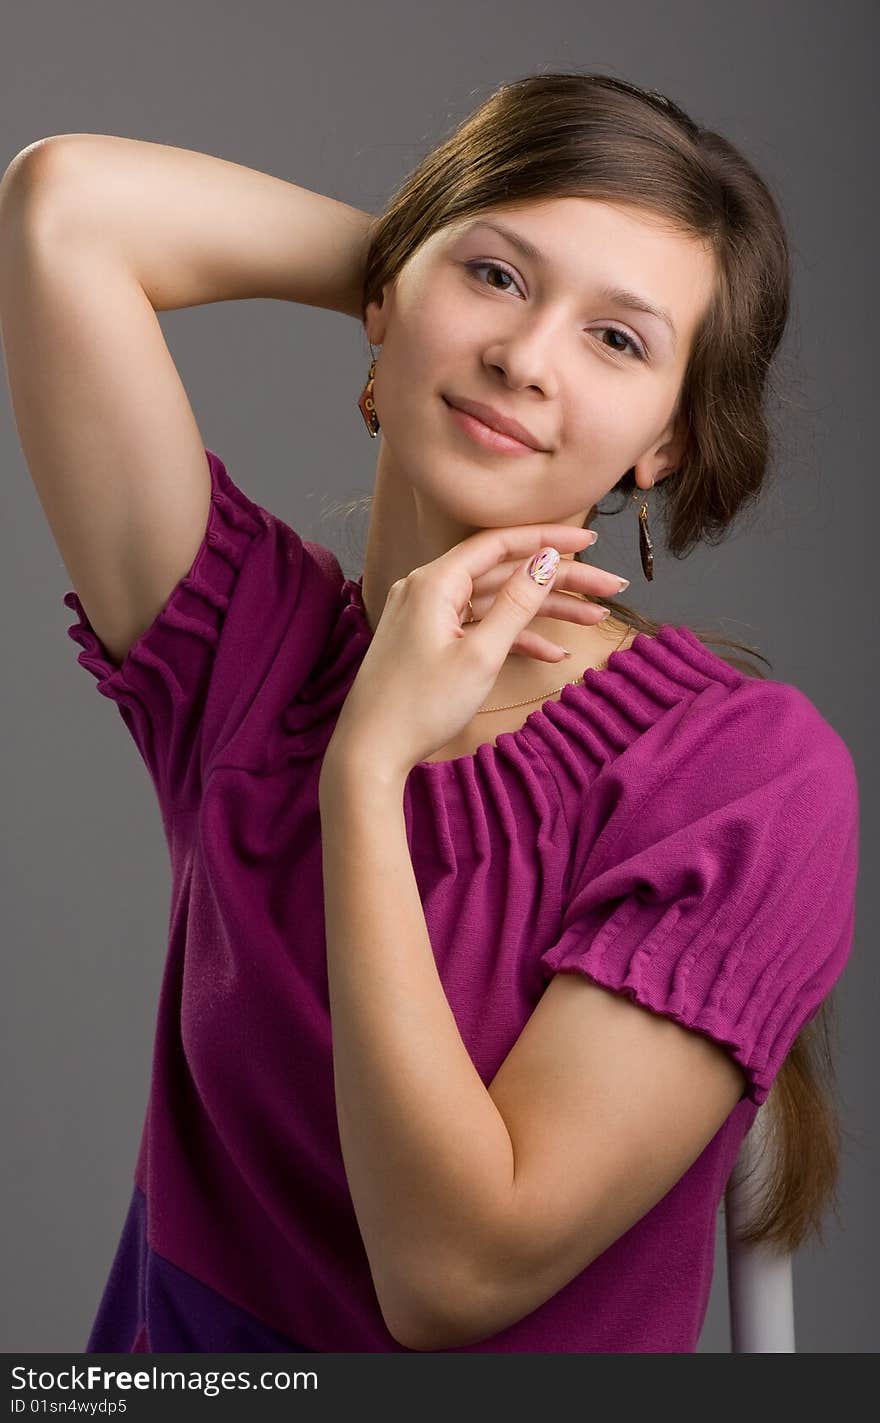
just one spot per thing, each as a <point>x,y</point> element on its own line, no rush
<point>424,675</point>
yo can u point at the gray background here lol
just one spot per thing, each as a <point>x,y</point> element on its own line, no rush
<point>344,98</point>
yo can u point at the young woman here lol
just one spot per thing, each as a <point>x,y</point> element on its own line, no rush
<point>482,956</point>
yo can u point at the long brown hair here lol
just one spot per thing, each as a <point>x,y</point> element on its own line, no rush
<point>594,136</point>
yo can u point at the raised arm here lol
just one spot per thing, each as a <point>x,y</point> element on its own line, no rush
<point>97,234</point>
<point>196,229</point>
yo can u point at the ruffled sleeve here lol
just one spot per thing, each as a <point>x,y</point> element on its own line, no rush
<point>179,679</point>
<point>714,872</point>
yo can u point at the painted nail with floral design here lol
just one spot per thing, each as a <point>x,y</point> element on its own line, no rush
<point>544,564</point>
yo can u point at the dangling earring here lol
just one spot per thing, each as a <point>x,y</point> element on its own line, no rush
<point>646,546</point>
<point>367,404</point>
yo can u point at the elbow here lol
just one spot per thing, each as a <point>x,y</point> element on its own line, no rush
<point>37,164</point>
<point>418,1321</point>
<point>428,1329</point>
<point>29,195</point>
<point>454,1308</point>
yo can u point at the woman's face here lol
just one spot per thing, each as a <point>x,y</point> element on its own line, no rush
<point>543,341</point>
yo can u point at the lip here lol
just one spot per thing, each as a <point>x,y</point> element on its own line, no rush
<point>502,424</point>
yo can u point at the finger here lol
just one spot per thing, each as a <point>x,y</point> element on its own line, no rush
<point>517,603</point>
<point>574,582</point>
<point>571,606</point>
<point>568,607</point>
<point>475,556</point>
<point>532,644</point>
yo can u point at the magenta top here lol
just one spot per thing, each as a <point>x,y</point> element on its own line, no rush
<point>670,828</point>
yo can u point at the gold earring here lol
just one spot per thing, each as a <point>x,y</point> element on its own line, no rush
<point>368,405</point>
<point>646,546</point>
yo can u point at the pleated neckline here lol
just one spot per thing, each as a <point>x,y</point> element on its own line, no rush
<point>611,705</point>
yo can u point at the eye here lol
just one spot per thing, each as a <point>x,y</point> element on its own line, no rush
<point>491,267</point>
<point>635,346</point>
<point>637,349</point>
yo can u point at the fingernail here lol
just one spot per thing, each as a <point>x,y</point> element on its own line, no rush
<point>542,567</point>
<point>624,583</point>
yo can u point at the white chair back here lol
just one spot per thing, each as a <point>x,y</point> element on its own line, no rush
<point>760,1288</point>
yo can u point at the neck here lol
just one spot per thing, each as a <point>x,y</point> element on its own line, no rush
<point>407,530</point>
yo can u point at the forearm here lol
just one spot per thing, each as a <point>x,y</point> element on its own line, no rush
<point>427,1154</point>
<point>195,228</point>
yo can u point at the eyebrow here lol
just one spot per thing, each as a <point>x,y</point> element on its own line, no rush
<point>620,295</point>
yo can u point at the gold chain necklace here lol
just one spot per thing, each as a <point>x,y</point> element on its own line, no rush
<point>542,695</point>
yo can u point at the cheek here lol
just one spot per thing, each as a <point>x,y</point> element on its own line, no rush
<point>439,323</point>
<point>403,391</point>
<point>597,422</point>
<point>600,438</point>
<point>417,351</point>
<point>610,420</point>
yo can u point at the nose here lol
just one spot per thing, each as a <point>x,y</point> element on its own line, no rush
<point>525,358</point>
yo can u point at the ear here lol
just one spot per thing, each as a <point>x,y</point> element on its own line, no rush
<point>666,456</point>
<point>378,314</point>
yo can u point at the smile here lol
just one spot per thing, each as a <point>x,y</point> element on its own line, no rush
<point>487,437</point>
